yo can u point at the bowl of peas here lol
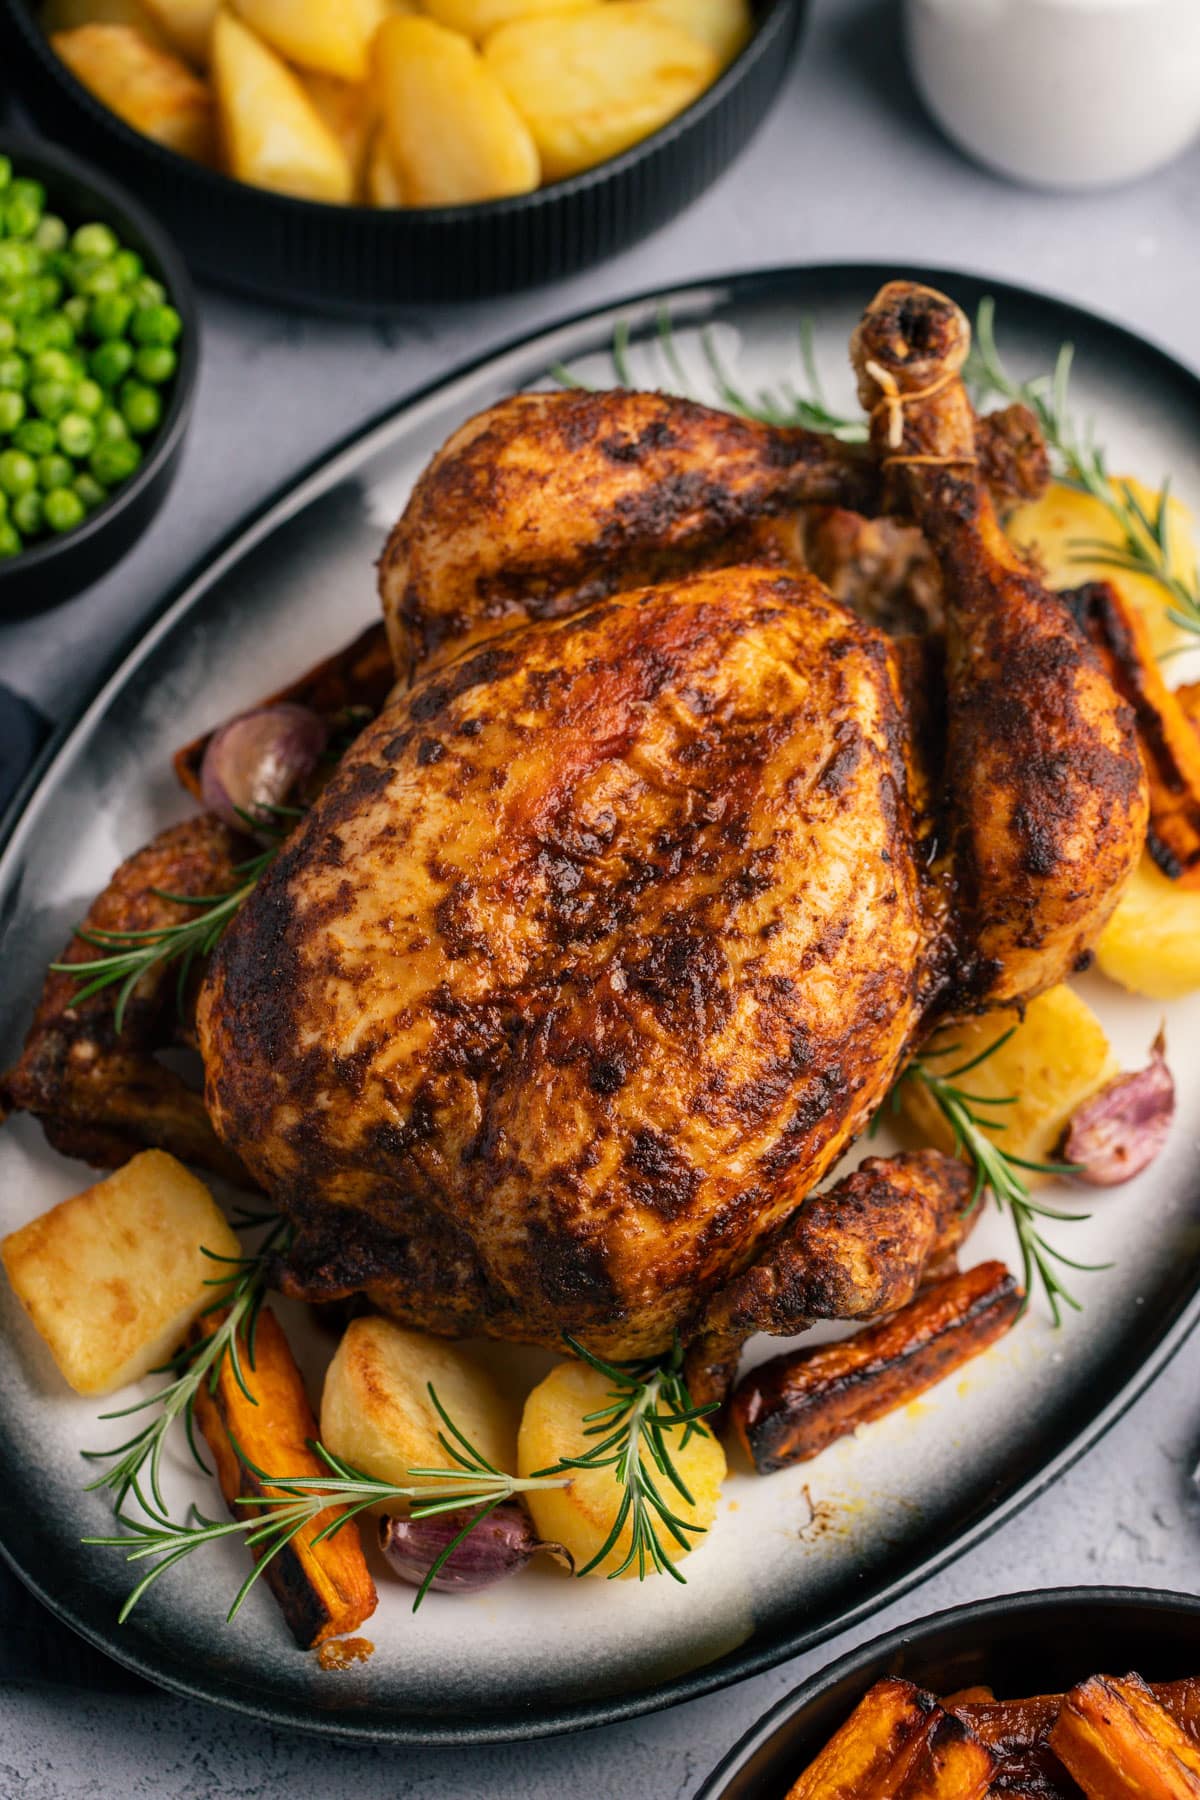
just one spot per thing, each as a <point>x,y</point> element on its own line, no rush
<point>98,353</point>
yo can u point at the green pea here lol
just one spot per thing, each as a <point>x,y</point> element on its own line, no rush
<point>18,473</point>
<point>10,541</point>
<point>27,514</point>
<point>115,462</point>
<point>23,187</point>
<point>156,325</point>
<point>51,233</point>
<point>6,173</point>
<point>93,277</point>
<point>8,334</point>
<point>14,370</point>
<point>22,301</point>
<point>45,292</point>
<point>16,262</point>
<point>129,265</point>
<point>52,365</point>
<point>63,509</point>
<point>88,398</point>
<point>148,292</point>
<point>51,398</point>
<point>95,240</point>
<point>141,407</point>
<point>20,215</point>
<point>156,362</point>
<point>76,310</point>
<point>109,315</point>
<point>12,410</point>
<point>89,491</point>
<point>54,471</point>
<point>37,437</point>
<point>110,426</point>
<point>111,362</point>
<point>77,434</point>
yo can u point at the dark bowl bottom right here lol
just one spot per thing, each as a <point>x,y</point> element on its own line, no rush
<point>1019,1644</point>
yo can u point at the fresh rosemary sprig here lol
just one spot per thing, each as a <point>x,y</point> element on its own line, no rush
<point>648,1402</point>
<point>129,955</point>
<point>241,1290</point>
<point>1146,547</point>
<point>785,404</point>
<point>1000,1171</point>
<point>468,1483</point>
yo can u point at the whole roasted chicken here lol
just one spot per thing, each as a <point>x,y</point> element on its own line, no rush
<point>614,928</point>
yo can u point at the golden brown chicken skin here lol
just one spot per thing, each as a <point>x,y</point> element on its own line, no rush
<point>603,942</point>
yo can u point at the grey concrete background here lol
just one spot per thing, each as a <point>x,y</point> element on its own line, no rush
<point>846,167</point>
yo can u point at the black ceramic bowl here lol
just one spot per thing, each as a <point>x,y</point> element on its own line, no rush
<point>56,568</point>
<point>363,258</point>
<point>1021,1644</point>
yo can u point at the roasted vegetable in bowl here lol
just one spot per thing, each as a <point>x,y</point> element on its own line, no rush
<point>398,102</point>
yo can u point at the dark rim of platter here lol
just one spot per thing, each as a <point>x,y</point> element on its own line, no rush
<point>117,205</point>
<point>515,1723</point>
<point>764,42</point>
<point>1034,1604</point>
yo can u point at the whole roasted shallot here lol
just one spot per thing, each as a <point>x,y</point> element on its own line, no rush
<point>495,1547</point>
<point>1119,1131</point>
<point>252,764</point>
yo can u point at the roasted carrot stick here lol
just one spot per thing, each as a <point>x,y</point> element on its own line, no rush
<point>324,1590</point>
<point>791,1408</point>
<point>1119,1743</point>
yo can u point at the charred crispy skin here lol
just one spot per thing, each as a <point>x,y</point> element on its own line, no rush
<point>101,1096</point>
<point>324,1590</point>
<point>583,996</point>
<point>1047,804</point>
<point>1119,1743</point>
<point>859,1251</point>
<point>1169,740</point>
<point>551,501</point>
<point>790,1409</point>
<point>898,1744</point>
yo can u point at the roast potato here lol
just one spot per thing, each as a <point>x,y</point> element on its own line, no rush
<point>451,132</point>
<point>1151,945</point>
<point>332,36</point>
<point>376,1412</point>
<point>476,18</point>
<point>273,136</point>
<point>591,83</point>
<point>1057,1058</point>
<point>724,25</point>
<point>187,25</point>
<point>151,89</point>
<point>114,1278</point>
<point>580,1517</point>
<point>65,15</point>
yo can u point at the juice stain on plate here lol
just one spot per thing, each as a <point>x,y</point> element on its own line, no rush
<point>343,1653</point>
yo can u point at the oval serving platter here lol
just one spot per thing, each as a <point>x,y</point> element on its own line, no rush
<point>794,1557</point>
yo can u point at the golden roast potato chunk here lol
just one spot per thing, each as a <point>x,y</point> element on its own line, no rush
<point>272,134</point>
<point>580,1517</point>
<point>151,89</point>
<point>1055,1060</point>
<point>65,15</point>
<point>188,26</point>
<point>348,109</point>
<point>726,26</point>
<point>1063,528</point>
<point>452,134</point>
<point>377,1414</point>
<point>476,18</point>
<point>333,36</point>
<point>115,1277</point>
<point>591,83</point>
<point>381,182</point>
<point>1151,945</point>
